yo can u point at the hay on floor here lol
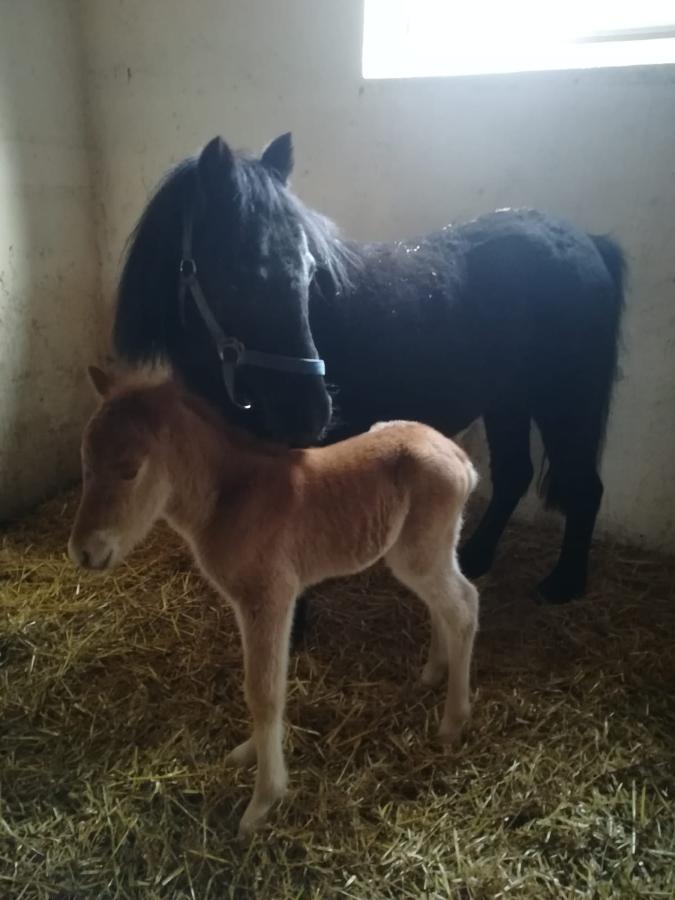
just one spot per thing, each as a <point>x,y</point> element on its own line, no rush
<point>121,695</point>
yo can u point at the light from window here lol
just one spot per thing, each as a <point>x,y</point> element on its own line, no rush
<point>412,38</point>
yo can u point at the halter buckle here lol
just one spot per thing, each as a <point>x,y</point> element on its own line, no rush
<point>187,268</point>
<point>231,352</point>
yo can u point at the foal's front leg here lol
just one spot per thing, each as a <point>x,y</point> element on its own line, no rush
<point>265,623</point>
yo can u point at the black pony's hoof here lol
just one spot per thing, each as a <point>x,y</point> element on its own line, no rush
<point>475,560</point>
<point>560,587</point>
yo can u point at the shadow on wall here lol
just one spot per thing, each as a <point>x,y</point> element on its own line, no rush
<point>49,309</point>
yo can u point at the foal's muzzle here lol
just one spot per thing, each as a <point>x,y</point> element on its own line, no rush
<point>97,550</point>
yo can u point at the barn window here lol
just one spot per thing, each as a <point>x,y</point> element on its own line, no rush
<point>412,38</point>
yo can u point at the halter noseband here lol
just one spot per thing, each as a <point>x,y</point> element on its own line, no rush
<point>231,351</point>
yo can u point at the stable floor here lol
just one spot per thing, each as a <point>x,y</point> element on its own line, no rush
<point>121,694</point>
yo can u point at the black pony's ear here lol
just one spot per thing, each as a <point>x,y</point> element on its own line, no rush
<point>277,157</point>
<point>215,165</point>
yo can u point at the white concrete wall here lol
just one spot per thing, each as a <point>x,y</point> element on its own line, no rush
<point>395,158</point>
<point>48,260</point>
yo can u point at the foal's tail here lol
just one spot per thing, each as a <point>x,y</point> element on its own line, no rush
<point>472,477</point>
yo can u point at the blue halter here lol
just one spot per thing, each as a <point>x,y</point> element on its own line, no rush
<point>231,351</point>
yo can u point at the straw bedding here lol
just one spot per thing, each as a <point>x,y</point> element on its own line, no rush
<point>121,695</point>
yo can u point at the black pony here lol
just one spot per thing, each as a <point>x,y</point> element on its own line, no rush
<point>513,317</point>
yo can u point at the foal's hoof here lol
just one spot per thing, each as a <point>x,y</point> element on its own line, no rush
<point>433,674</point>
<point>248,828</point>
<point>242,757</point>
<point>451,729</point>
<point>560,587</point>
<point>256,812</point>
<point>475,560</point>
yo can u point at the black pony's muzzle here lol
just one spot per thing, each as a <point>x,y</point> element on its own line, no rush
<point>292,409</point>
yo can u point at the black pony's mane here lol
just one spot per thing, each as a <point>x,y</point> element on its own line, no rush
<point>147,293</point>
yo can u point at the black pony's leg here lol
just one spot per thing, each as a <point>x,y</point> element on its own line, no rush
<point>301,612</point>
<point>299,626</point>
<point>568,578</point>
<point>508,436</point>
<point>576,490</point>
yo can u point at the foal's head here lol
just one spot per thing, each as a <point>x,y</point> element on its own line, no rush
<point>256,249</point>
<point>124,481</point>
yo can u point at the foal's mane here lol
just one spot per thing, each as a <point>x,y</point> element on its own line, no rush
<point>147,296</point>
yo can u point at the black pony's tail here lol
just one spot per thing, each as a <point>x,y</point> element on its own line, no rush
<point>606,351</point>
<point>615,261</point>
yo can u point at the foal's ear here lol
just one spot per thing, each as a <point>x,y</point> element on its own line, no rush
<point>101,381</point>
<point>277,157</point>
<point>215,165</point>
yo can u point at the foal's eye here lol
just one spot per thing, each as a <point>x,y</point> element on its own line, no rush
<point>128,474</point>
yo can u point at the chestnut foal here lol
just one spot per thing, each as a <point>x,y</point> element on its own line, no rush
<point>264,523</point>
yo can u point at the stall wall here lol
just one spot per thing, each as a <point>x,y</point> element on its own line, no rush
<point>49,297</point>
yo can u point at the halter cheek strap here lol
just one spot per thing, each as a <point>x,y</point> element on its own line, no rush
<point>231,351</point>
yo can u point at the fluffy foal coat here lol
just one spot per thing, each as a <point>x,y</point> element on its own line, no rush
<point>264,523</point>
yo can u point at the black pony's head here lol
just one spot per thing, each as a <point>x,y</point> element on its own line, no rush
<point>257,251</point>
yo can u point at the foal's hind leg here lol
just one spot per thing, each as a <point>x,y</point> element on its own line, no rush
<point>453,605</point>
<point>508,436</point>
<point>436,665</point>
<point>457,603</point>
